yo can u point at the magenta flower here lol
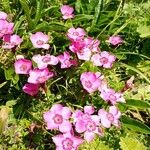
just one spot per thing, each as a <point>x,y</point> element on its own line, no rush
<point>5,28</point>
<point>111,117</point>
<point>66,61</point>
<point>3,15</point>
<point>115,40</point>
<point>40,40</point>
<point>76,34</point>
<point>11,41</point>
<point>37,76</point>
<point>44,61</point>
<point>109,95</point>
<point>67,141</point>
<point>103,59</point>
<point>91,81</point>
<point>31,89</point>
<point>58,118</point>
<point>22,66</point>
<point>67,11</point>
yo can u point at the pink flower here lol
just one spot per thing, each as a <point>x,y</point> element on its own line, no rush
<point>3,15</point>
<point>67,11</point>
<point>65,60</point>
<point>91,81</point>
<point>67,141</point>
<point>76,34</point>
<point>22,66</point>
<point>11,41</point>
<point>103,59</point>
<point>40,40</point>
<point>44,61</point>
<point>58,118</point>
<point>109,95</point>
<point>115,40</point>
<point>31,89</point>
<point>37,76</point>
<point>111,117</point>
<point>87,123</point>
<point>5,28</point>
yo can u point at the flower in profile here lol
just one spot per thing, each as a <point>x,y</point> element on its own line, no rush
<point>22,66</point>
<point>111,117</point>
<point>40,40</point>
<point>3,15</point>
<point>58,118</point>
<point>76,34</point>
<point>5,27</point>
<point>87,123</point>
<point>67,141</point>
<point>67,11</point>
<point>104,59</point>
<point>109,95</point>
<point>31,89</point>
<point>10,41</point>
<point>37,76</point>
<point>91,81</point>
<point>44,61</point>
<point>66,61</point>
<point>115,40</point>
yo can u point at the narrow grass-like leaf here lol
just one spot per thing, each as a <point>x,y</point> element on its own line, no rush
<point>135,125</point>
<point>82,17</point>
<point>2,84</point>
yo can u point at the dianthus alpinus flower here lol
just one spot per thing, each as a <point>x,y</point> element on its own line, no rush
<point>40,40</point>
<point>67,11</point>
<point>87,123</point>
<point>104,59</point>
<point>37,76</point>
<point>58,118</point>
<point>67,141</point>
<point>45,60</point>
<point>3,15</point>
<point>111,117</point>
<point>23,66</point>
<point>115,40</point>
<point>91,81</point>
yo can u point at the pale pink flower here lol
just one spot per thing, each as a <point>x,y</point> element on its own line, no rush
<point>67,141</point>
<point>67,11</point>
<point>19,57</point>
<point>104,59</point>
<point>6,27</point>
<point>76,34</point>
<point>109,95</point>
<point>91,81</point>
<point>40,40</point>
<point>31,89</point>
<point>23,66</point>
<point>58,118</point>
<point>44,61</point>
<point>3,15</point>
<point>115,40</point>
<point>84,54</point>
<point>10,41</point>
<point>37,76</point>
<point>111,117</point>
<point>89,110</point>
<point>66,60</point>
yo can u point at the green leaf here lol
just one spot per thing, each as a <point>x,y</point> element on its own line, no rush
<point>82,17</point>
<point>2,84</point>
<point>135,125</point>
<point>138,103</point>
<point>129,143</point>
<point>11,103</point>
<point>144,31</point>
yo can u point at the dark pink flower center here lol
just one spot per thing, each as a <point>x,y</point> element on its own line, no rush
<point>46,59</point>
<point>76,33</point>
<point>40,42</point>
<point>58,119</point>
<point>112,97</point>
<point>88,84</point>
<point>41,79</point>
<point>104,60</point>
<point>91,126</point>
<point>23,67</point>
<point>110,117</point>
<point>67,144</point>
